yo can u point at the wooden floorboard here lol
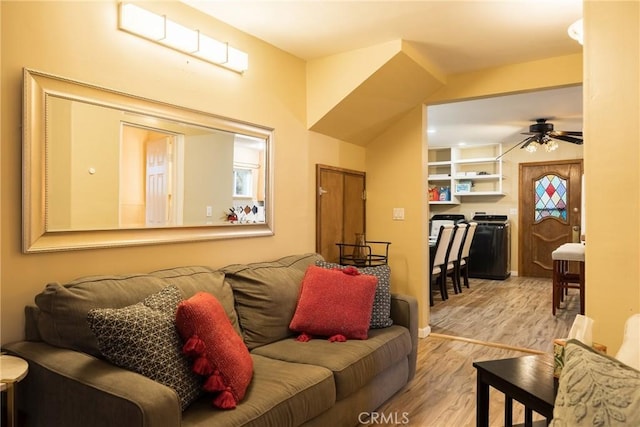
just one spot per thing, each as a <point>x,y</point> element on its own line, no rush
<point>491,320</point>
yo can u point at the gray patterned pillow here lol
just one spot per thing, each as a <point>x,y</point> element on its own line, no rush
<point>381,313</point>
<point>596,390</point>
<point>143,338</point>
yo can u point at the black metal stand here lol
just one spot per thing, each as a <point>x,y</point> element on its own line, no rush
<point>370,259</point>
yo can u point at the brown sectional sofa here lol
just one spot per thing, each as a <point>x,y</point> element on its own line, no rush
<point>315,383</point>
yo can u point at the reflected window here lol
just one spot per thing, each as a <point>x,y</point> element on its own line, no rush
<point>242,182</point>
<point>550,197</point>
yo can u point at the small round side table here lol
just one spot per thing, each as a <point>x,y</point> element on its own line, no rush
<point>12,370</point>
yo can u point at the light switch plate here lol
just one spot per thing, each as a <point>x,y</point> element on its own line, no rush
<point>398,214</point>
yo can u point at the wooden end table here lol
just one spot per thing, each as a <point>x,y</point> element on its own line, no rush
<point>527,379</point>
<point>12,370</point>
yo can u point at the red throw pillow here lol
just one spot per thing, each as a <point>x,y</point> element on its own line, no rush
<point>334,303</point>
<point>217,351</point>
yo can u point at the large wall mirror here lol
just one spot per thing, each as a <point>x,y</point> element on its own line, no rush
<point>104,168</point>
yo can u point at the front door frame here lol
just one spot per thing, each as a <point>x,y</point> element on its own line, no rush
<point>574,212</point>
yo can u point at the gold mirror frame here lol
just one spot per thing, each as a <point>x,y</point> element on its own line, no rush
<point>36,238</point>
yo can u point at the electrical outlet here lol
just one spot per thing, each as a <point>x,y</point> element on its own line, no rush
<point>209,211</point>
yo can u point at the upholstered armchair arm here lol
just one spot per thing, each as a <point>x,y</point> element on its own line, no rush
<point>68,388</point>
<point>404,312</point>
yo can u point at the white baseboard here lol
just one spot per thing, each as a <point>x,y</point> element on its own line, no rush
<point>424,332</point>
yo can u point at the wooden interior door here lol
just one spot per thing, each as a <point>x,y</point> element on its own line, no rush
<point>158,181</point>
<point>340,208</point>
<point>550,194</point>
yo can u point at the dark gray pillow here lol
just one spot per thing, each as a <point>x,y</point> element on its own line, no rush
<point>143,338</point>
<point>381,313</point>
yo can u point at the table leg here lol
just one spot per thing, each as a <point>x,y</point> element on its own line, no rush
<point>508,411</point>
<point>528,417</point>
<point>11,420</point>
<point>482,403</point>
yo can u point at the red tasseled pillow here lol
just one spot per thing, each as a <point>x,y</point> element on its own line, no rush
<point>217,351</point>
<point>334,303</point>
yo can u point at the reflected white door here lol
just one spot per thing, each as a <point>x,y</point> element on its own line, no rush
<point>158,182</point>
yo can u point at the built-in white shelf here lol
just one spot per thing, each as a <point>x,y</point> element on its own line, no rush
<point>466,171</point>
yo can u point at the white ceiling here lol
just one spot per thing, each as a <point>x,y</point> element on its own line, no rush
<point>457,36</point>
<point>502,119</point>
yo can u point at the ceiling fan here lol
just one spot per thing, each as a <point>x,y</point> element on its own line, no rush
<point>542,134</point>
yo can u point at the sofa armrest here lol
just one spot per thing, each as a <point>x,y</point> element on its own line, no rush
<point>68,388</point>
<point>404,312</point>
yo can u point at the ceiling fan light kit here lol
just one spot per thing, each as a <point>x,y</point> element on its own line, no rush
<point>543,135</point>
<point>549,146</point>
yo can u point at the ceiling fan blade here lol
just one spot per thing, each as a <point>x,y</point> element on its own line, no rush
<point>566,138</point>
<point>565,132</point>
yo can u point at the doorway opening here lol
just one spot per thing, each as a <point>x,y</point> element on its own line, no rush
<point>151,189</point>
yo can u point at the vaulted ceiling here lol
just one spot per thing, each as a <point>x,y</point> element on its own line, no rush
<point>416,45</point>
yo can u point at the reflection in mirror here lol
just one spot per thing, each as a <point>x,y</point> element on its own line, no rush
<point>117,167</point>
<point>109,169</point>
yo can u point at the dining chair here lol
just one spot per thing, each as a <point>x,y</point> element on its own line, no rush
<point>453,257</point>
<point>438,270</point>
<point>463,266</point>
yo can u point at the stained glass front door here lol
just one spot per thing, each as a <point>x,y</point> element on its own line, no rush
<point>550,197</point>
<point>549,207</point>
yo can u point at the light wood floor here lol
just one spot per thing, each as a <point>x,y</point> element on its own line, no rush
<point>491,320</point>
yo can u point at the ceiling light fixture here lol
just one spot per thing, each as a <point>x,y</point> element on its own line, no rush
<point>575,31</point>
<point>549,144</point>
<point>158,28</point>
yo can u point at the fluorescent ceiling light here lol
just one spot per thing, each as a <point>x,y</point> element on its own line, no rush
<point>162,30</point>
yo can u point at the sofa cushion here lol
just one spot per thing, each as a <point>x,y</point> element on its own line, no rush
<point>143,338</point>
<point>334,303</point>
<point>596,390</point>
<point>193,279</point>
<point>217,351</point>
<point>280,394</point>
<point>356,362</point>
<point>63,308</point>
<point>381,313</point>
<point>266,294</point>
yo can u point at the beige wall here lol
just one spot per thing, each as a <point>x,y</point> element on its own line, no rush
<point>395,177</point>
<point>60,178</point>
<point>132,176</point>
<point>80,40</point>
<point>95,168</point>
<point>612,155</point>
<point>208,177</point>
